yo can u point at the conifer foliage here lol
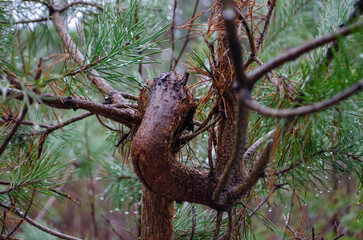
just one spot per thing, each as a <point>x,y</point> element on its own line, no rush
<point>207,119</point>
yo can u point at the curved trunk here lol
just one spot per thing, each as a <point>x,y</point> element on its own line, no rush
<point>167,107</point>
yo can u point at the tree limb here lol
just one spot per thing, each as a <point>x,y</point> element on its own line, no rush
<point>296,52</point>
<point>256,173</point>
<point>220,194</point>
<point>39,226</point>
<point>118,115</point>
<point>300,111</point>
<point>14,129</point>
<point>101,84</point>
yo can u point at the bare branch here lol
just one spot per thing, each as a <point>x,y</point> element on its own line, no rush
<point>39,226</point>
<point>300,111</point>
<point>187,36</point>
<point>99,7</point>
<point>14,129</point>
<point>254,147</point>
<point>118,115</point>
<point>297,237</point>
<point>194,223</point>
<point>256,173</point>
<point>276,186</point>
<point>267,23</point>
<point>101,84</point>
<point>67,122</point>
<point>296,52</point>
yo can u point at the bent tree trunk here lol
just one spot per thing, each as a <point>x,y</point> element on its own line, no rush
<point>166,107</point>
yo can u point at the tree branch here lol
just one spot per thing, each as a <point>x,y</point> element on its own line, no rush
<point>256,173</point>
<point>267,23</point>
<point>118,115</point>
<point>14,129</point>
<point>300,111</point>
<point>220,193</point>
<point>296,52</point>
<point>101,84</point>
<point>254,147</point>
<point>80,3</point>
<point>39,226</point>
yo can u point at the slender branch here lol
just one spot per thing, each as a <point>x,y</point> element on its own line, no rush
<point>256,173</point>
<point>218,224</point>
<point>249,34</point>
<point>276,186</point>
<point>296,52</point>
<point>31,20</point>
<point>112,228</point>
<point>201,130</point>
<point>39,226</point>
<point>187,36</point>
<point>14,129</point>
<point>172,32</point>
<point>296,236</point>
<point>25,215</point>
<point>254,147</point>
<point>118,115</point>
<point>267,23</point>
<point>101,84</point>
<point>300,111</point>
<point>194,223</point>
<point>105,125</point>
<point>67,122</point>
<point>80,3</point>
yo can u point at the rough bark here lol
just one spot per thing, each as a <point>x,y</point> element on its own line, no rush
<point>167,107</point>
<point>157,216</point>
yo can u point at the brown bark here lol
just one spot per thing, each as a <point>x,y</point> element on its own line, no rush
<point>157,216</point>
<point>166,107</point>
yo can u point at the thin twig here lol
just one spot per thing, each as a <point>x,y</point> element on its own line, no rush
<point>276,186</point>
<point>69,121</point>
<point>187,37</point>
<point>201,130</point>
<point>218,224</point>
<point>300,111</point>
<point>194,223</point>
<point>105,125</point>
<point>256,172</point>
<point>99,7</point>
<point>267,23</point>
<point>172,32</point>
<point>14,129</point>
<point>39,226</point>
<point>296,236</point>
<point>112,228</point>
<point>22,219</point>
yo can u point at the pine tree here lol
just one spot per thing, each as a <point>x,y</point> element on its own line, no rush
<point>268,115</point>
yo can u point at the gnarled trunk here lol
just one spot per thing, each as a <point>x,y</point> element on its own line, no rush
<point>167,107</point>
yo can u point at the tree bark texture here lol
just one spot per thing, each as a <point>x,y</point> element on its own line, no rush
<point>166,107</point>
<point>157,216</point>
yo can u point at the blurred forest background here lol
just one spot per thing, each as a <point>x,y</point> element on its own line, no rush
<point>84,184</point>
